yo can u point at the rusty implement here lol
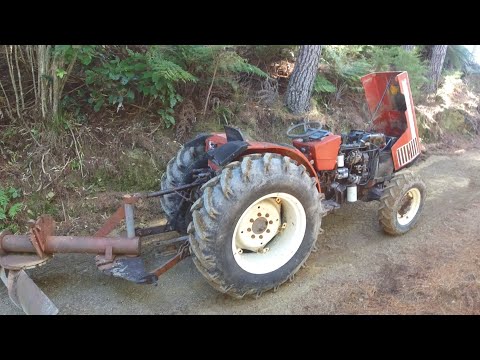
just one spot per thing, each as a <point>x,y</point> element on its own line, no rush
<point>25,294</point>
<point>20,252</point>
<point>152,277</point>
<point>117,256</point>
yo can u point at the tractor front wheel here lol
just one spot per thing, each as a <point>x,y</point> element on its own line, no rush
<point>401,203</point>
<point>255,224</point>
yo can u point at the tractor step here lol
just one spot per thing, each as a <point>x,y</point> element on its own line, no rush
<point>128,268</point>
<point>329,206</point>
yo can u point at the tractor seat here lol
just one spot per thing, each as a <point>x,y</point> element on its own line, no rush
<point>233,134</point>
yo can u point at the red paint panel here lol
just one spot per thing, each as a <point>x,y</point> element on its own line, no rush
<point>324,152</point>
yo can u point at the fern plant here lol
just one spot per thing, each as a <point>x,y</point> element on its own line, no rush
<point>346,64</point>
<point>118,81</point>
<point>160,73</point>
<point>198,59</point>
<point>322,85</point>
<point>217,63</point>
<point>9,208</point>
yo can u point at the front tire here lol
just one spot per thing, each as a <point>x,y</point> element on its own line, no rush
<point>402,203</point>
<point>255,224</point>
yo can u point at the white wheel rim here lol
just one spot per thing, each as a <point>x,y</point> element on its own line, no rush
<point>269,242</point>
<point>409,206</point>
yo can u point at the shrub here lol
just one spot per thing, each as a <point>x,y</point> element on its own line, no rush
<point>118,81</point>
<point>160,74</point>
<point>206,61</point>
<point>10,207</point>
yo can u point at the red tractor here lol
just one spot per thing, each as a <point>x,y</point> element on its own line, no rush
<point>252,210</point>
<point>255,222</point>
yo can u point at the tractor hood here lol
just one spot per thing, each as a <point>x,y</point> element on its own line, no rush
<point>389,99</point>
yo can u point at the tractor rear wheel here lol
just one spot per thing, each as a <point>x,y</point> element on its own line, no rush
<point>179,172</point>
<point>255,224</point>
<point>402,202</point>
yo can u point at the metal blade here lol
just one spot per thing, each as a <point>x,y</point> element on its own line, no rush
<point>26,294</point>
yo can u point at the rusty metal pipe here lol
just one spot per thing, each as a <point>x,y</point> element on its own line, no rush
<point>112,222</point>
<point>72,244</point>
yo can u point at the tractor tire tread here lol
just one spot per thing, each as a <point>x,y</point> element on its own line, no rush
<point>393,192</point>
<point>202,230</point>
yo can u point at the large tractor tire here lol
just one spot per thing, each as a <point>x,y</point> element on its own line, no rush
<point>255,224</point>
<point>402,202</point>
<point>179,172</point>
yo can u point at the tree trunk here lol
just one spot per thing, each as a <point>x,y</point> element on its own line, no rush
<point>408,48</point>
<point>436,66</point>
<point>301,82</point>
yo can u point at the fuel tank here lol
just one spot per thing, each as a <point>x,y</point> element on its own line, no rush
<point>323,152</point>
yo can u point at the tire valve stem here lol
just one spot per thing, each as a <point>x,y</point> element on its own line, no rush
<point>264,250</point>
<point>284,225</point>
<point>239,251</point>
<point>278,200</point>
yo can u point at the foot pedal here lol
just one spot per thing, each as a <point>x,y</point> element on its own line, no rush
<point>128,268</point>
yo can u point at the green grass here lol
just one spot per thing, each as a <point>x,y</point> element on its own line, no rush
<point>135,171</point>
<point>39,203</point>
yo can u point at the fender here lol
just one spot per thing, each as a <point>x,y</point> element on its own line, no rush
<point>215,142</point>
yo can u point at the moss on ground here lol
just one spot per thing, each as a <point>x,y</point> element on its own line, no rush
<point>135,171</point>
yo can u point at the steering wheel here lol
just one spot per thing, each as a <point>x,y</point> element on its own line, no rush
<point>308,130</point>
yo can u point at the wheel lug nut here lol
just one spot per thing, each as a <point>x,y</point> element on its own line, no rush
<point>261,236</point>
<point>259,214</point>
<point>251,220</point>
<point>270,222</point>
<point>267,215</point>
<point>253,236</point>
<point>268,230</point>
<point>249,229</point>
